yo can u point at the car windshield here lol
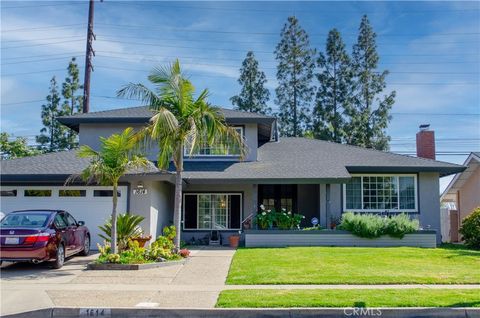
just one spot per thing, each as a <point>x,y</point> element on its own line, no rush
<point>28,219</point>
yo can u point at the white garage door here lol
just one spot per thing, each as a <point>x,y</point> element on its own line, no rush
<point>93,205</point>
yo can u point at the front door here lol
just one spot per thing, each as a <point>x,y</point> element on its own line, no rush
<point>70,239</point>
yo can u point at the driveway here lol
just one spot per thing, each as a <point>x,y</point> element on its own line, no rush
<point>196,284</point>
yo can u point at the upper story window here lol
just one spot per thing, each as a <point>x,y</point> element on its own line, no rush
<point>379,193</point>
<point>225,148</point>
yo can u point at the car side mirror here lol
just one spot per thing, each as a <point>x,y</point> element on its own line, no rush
<point>81,223</point>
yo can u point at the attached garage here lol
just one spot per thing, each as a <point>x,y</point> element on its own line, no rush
<point>93,204</point>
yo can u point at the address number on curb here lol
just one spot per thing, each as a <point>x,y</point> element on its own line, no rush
<point>95,312</point>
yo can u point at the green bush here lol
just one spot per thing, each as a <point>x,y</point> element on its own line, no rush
<point>470,229</point>
<point>363,225</point>
<point>373,226</point>
<point>127,228</point>
<point>399,225</point>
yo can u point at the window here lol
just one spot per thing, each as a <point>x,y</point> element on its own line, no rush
<point>378,193</point>
<point>69,219</point>
<point>8,193</point>
<point>72,193</point>
<point>59,222</point>
<point>38,193</point>
<point>25,219</point>
<point>223,148</point>
<point>212,211</point>
<point>105,193</point>
<point>280,196</point>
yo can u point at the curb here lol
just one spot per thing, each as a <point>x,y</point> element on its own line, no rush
<point>250,313</point>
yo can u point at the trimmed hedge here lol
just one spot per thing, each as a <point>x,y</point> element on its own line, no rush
<point>373,226</point>
<point>470,229</point>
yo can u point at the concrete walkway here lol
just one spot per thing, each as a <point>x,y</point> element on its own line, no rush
<point>196,284</point>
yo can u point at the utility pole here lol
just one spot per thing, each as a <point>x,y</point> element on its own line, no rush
<point>88,59</point>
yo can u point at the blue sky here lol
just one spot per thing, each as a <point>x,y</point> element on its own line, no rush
<point>431,48</point>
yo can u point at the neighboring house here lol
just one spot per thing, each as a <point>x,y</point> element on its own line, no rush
<point>315,178</point>
<point>462,194</point>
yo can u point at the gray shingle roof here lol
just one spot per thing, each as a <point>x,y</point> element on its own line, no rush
<point>142,114</point>
<point>301,158</point>
<point>48,167</point>
<point>294,159</point>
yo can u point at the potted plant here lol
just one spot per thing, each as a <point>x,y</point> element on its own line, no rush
<point>234,240</point>
<point>142,240</point>
<point>334,221</point>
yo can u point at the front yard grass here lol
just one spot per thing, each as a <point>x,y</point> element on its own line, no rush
<point>355,265</point>
<point>270,298</point>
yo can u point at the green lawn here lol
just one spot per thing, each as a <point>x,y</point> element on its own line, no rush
<point>355,265</point>
<point>349,298</point>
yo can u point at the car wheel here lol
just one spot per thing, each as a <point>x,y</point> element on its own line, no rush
<point>58,263</point>
<point>86,246</point>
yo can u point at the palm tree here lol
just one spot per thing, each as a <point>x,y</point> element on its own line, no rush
<point>180,121</point>
<point>117,156</point>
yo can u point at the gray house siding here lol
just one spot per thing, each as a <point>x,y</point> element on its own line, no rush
<point>156,206</point>
<point>429,201</point>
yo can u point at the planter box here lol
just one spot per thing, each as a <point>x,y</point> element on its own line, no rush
<point>278,238</point>
<point>133,267</point>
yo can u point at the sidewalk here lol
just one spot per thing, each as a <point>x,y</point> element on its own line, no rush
<point>196,284</point>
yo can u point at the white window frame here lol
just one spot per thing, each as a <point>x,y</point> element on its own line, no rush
<point>415,210</point>
<point>227,210</point>
<point>186,152</point>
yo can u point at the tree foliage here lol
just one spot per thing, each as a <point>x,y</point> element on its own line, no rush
<point>17,148</point>
<point>51,135</point>
<point>72,100</point>
<point>369,113</point>
<point>294,74</point>
<point>334,92</point>
<point>254,96</point>
<point>117,155</point>
<point>54,136</point>
<point>179,120</point>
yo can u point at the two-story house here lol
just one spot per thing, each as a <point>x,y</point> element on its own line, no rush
<point>315,178</point>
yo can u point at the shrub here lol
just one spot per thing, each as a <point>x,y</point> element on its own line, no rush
<point>127,228</point>
<point>399,225</point>
<point>373,226</point>
<point>365,225</point>
<point>470,229</point>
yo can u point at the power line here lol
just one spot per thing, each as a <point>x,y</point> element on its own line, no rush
<point>148,27</point>
<point>42,28</point>
<point>42,39</point>
<point>295,10</point>
<point>43,60</point>
<point>45,5</point>
<point>42,55</point>
<point>41,44</point>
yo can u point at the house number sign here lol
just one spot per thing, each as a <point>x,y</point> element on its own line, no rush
<point>140,191</point>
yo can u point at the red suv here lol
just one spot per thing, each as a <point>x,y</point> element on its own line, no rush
<point>42,235</point>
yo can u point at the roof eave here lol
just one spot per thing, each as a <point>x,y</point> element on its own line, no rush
<point>443,171</point>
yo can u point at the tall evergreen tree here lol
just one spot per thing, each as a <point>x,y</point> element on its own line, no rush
<point>369,114</point>
<point>72,100</point>
<point>334,91</point>
<point>294,74</point>
<point>253,96</point>
<point>50,135</point>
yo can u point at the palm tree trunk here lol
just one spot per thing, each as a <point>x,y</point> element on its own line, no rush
<point>113,235</point>
<point>178,199</point>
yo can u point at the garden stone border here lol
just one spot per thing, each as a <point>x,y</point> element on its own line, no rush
<point>133,267</point>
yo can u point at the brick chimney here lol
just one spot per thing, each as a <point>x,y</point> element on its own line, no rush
<point>426,142</point>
